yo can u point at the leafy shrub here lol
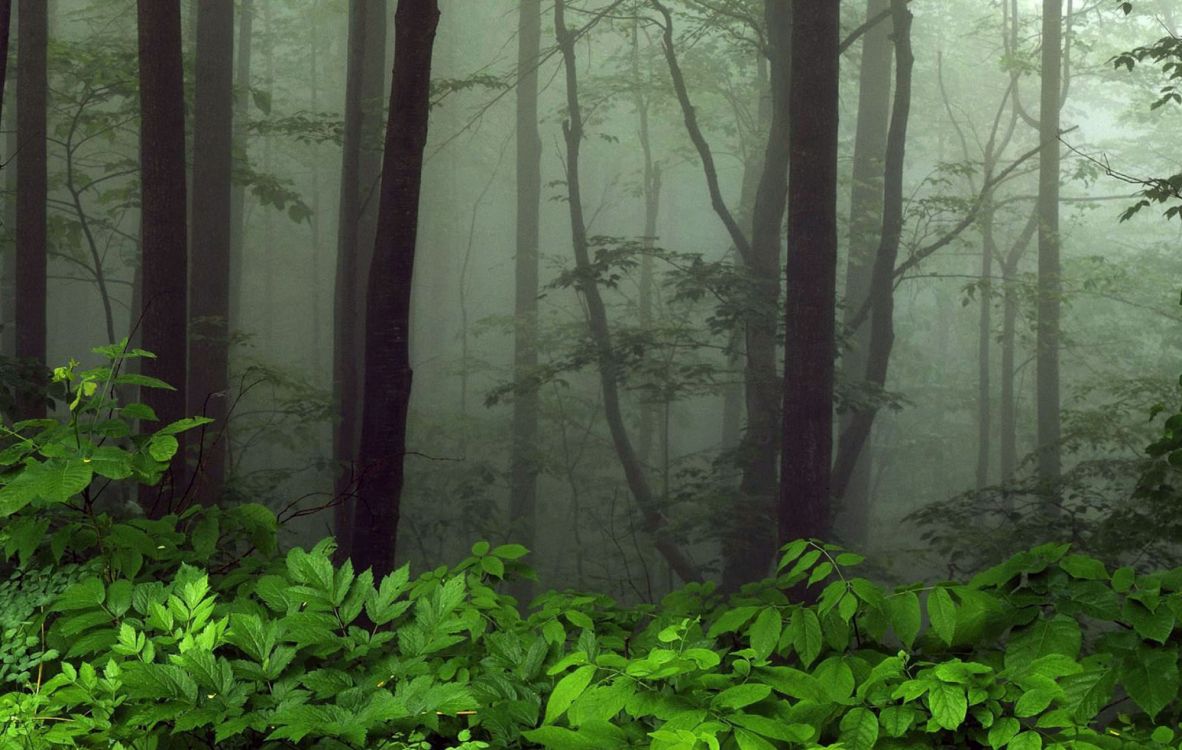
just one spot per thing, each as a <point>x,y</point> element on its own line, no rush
<point>192,631</point>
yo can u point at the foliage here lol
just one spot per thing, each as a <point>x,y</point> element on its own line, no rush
<point>191,631</point>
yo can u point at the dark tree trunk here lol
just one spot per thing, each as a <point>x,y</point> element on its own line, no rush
<point>805,506</point>
<point>387,324</point>
<point>874,103</point>
<point>750,545</point>
<point>356,230</point>
<point>523,464</point>
<point>242,106</point>
<point>882,296</point>
<point>209,282</point>
<point>1049,288</point>
<point>8,278</point>
<point>164,239</point>
<point>31,198</point>
<point>654,520</point>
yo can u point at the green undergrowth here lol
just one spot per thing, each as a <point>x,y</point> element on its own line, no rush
<point>195,631</point>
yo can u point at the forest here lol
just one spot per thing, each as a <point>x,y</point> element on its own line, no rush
<point>578,374</point>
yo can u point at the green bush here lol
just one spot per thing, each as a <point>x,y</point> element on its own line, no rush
<point>192,631</point>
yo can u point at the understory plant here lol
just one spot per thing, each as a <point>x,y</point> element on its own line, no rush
<point>195,631</point>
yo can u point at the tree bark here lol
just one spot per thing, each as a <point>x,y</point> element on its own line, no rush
<point>31,199</point>
<point>1008,459</point>
<point>387,382</point>
<point>8,267</point>
<point>1049,290</point>
<point>749,547</point>
<point>163,230</point>
<point>654,520</point>
<point>242,105</point>
<point>865,223</point>
<point>209,283</point>
<point>984,341</point>
<point>805,504</point>
<point>523,463</point>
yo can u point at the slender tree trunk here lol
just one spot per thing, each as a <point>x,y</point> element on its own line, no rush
<point>1049,289</point>
<point>651,190</point>
<point>5,27</point>
<point>163,231</point>
<point>984,341</point>
<point>1009,422</point>
<point>31,264</point>
<point>805,503</point>
<point>242,106</point>
<point>654,520</point>
<point>523,464</point>
<point>874,102</point>
<point>359,169</point>
<point>387,325</point>
<point>346,359</point>
<point>749,547</point>
<point>209,290</point>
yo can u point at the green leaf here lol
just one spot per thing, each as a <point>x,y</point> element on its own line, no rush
<point>162,447</point>
<point>567,690</point>
<point>1026,741</point>
<point>87,593</point>
<point>510,552</point>
<point>1082,566</point>
<point>859,729</point>
<point>731,620</point>
<point>1155,625</point>
<point>897,720</point>
<point>765,632</point>
<point>183,425</point>
<point>741,696</point>
<point>948,704</point>
<point>942,614</point>
<point>560,738</point>
<point>1150,676</point>
<point>905,618</point>
<point>1033,702</point>
<point>1003,730</point>
<point>751,741</point>
<point>119,597</point>
<point>773,728</point>
<point>1058,635</point>
<point>807,638</point>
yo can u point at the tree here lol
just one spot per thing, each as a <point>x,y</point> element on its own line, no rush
<point>209,290</point>
<point>865,223</point>
<point>356,227</point>
<point>31,197</point>
<point>387,381</point>
<point>163,228</point>
<point>654,521</point>
<point>523,465</point>
<point>1049,287</point>
<point>752,540</point>
<point>807,442</point>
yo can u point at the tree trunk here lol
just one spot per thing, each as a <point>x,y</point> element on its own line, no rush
<point>523,463</point>
<point>1009,422</point>
<point>209,288</point>
<point>749,547</point>
<point>347,334</point>
<point>31,199</point>
<point>387,381</point>
<point>654,520</point>
<point>984,336</point>
<point>651,190</point>
<point>8,271</point>
<point>242,106</point>
<point>874,102</point>
<point>163,231</point>
<point>882,287</point>
<point>805,505</point>
<point>1049,291</point>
